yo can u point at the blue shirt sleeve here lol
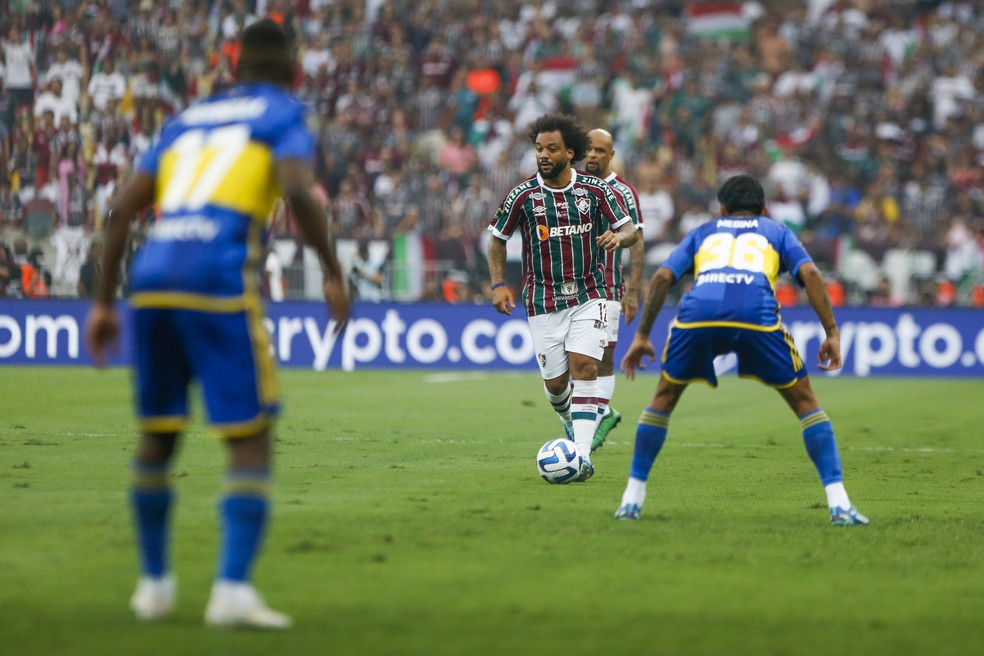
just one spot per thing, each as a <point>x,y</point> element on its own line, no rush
<point>793,255</point>
<point>295,141</point>
<point>681,260</point>
<point>151,159</point>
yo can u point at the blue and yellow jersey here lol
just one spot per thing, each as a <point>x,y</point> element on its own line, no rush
<point>736,262</point>
<point>214,167</point>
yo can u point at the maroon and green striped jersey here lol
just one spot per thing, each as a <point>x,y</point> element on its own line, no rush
<point>559,227</point>
<point>612,260</point>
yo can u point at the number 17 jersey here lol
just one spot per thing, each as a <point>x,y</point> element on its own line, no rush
<point>215,188</point>
<point>736,262</point>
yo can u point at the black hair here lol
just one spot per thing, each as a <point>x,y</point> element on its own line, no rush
<point>571,131</point>
<point>742,193</point>
<point>266,54</point>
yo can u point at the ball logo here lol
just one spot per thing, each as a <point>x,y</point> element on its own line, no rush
<point>546,232</point>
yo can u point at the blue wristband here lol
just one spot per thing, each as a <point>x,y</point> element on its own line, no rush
<point>498,284</point>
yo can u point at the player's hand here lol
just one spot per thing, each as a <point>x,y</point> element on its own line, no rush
<point>630,306</point>
<point>102,332</point>
<point>609,241</point>
<point>337,296</point>
<point>640,347</point>
<point>829,355</point>
<point>502,299</point>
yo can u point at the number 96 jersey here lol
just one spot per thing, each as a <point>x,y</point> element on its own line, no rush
<point>736,262</point>
<point>215,187</point>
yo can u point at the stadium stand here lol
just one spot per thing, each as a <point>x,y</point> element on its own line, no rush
<point>865,117</point>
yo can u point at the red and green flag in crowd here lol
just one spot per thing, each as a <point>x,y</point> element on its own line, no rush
<point>717,20</point>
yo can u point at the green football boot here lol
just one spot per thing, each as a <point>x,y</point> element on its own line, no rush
<point>608,422</point>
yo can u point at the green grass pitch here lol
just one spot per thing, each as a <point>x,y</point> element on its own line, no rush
<point>408,519</point>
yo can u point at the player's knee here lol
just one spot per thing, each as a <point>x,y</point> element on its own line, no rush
<point>800,397</point>
<point>607,366</point>
<point>156,448</point>
<point>251,452</point>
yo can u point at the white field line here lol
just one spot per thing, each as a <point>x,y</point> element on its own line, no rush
<point>687,445</point>
<point>452,377</point>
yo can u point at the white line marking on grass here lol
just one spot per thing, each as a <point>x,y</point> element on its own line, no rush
<point>95,434</point>
<point>460,377</point>
<point>924,449</point>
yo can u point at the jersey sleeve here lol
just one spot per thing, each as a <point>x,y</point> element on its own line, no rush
<point>507,217</point>
<point>610,206</point>
<point>681,260</point>
<point>151,159</point>
<point>792,254</point>
<point>632,204</point>
<point>295,140</point>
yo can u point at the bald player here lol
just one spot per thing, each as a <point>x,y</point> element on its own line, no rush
<point>623,298</point>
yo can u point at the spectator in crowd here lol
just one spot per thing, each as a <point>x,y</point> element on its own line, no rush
<point>11,208</point>
<point>10,273</point>
<point>35,281</point>
<point>69,71</point>
<point>70,170</point>
<point>107,83</point>
<point>366,275</point>
<point>656,204</point>
<point>54,100</point>
<point>19,70</point>
<point>273,276</point>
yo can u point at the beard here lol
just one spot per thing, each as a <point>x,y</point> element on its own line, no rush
<point>551,169</point>
<point>592,168</point>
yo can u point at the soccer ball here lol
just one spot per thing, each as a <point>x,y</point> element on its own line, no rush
<point>558,461</point>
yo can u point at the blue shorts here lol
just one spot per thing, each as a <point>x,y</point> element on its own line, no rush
<point>769,356</point>
<point>227,353</point>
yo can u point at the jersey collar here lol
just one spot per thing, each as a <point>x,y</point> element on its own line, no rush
<point>539,179</point>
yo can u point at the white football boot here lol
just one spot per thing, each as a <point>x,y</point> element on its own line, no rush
<point>237,604</point>
<point>154,597</point>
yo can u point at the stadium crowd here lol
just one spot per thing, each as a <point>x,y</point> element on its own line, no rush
<point>864,117</point>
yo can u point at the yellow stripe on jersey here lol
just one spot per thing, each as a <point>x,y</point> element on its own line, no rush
<point>188,301</point>
<point>244,184</point>
<point>246,428</point>
<point>771,269</point>
<point>793,353</point>
<point>172,424</point>
<point>677,381</point>
<point>726,324</point>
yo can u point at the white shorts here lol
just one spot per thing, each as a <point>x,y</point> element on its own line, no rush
<point>614,318</point>
<point>581,329</point>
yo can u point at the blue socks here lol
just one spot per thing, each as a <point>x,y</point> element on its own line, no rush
<point>243,512</point>
<point>151,497</point>
<point>650,435</point>
<point>818,436</point>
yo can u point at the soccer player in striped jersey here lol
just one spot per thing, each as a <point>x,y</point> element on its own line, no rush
<point>622,298</point>
<point>215,173</point>
<point>731,308</point>
<point>566,220</point>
